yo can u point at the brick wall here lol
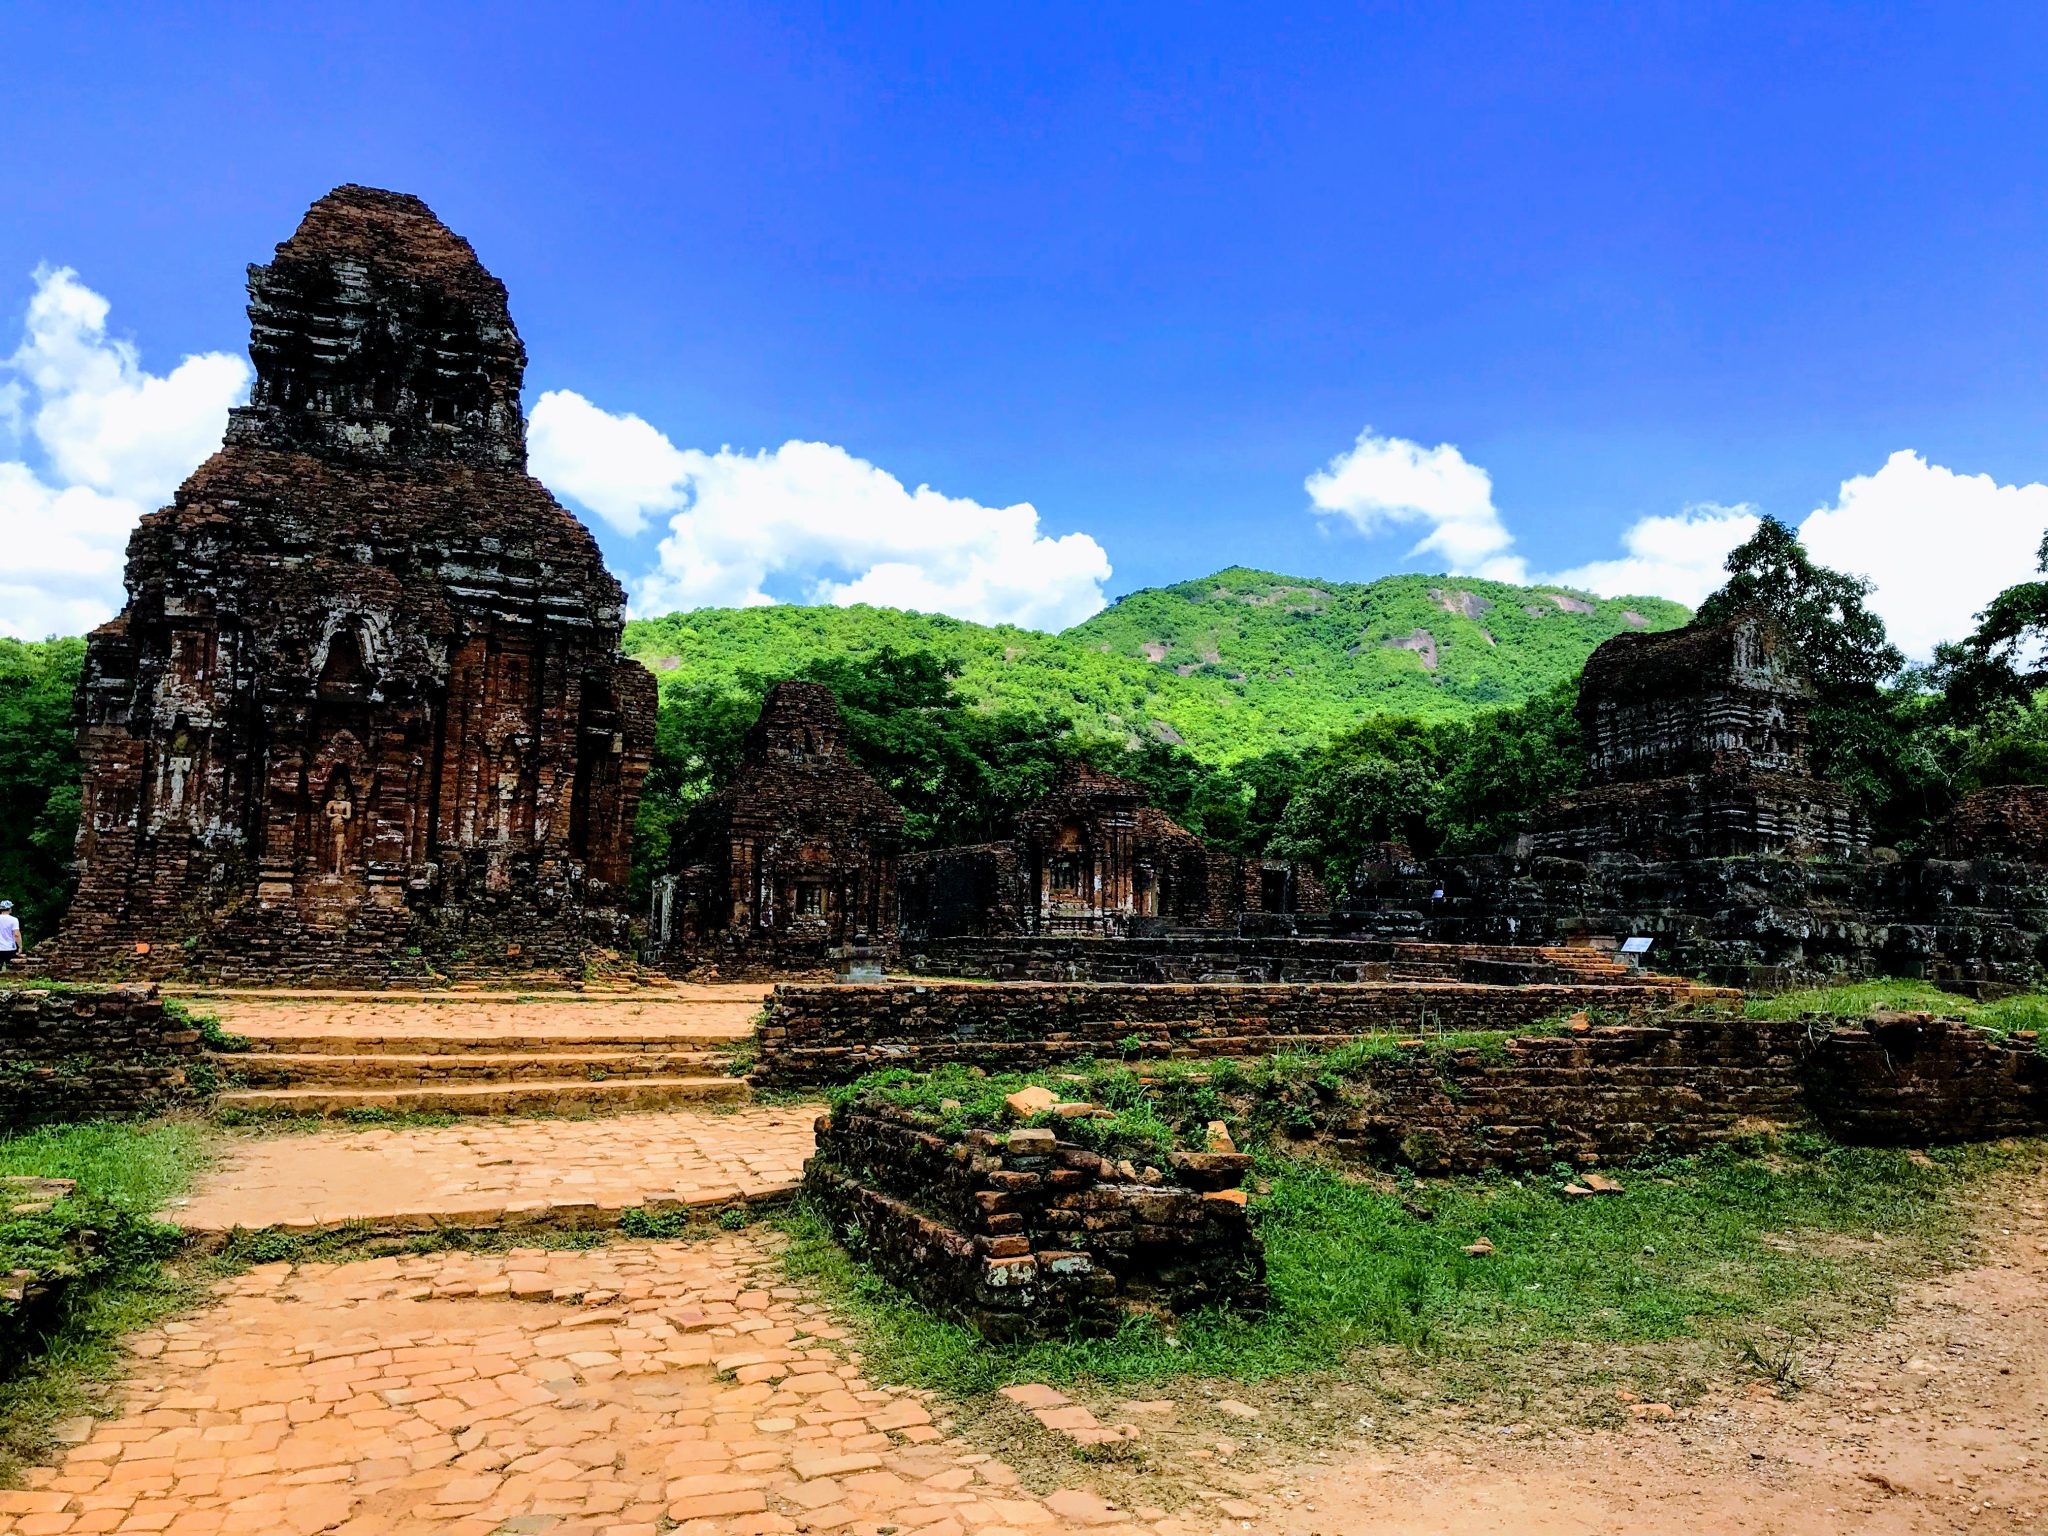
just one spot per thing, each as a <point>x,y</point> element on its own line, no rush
<point>834,1033</point>
<point>86,1053</point>
<point>1024,1235</point>
<point>1615,1095</point>
<point>1221,956</point>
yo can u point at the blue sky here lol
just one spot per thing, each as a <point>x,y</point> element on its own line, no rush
<point>1145,268</point>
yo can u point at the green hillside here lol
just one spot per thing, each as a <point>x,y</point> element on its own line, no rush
<point>1231,665</point>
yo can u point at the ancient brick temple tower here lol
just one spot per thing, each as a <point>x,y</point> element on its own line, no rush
<point>365,708</point>
<point>791,866</point>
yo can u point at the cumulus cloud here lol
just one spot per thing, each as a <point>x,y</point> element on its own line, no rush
<point>840,529</point>
<point>1382,481</point>
<point>1679,556</point>
<point>1938,544</point>
<point>618,466</point>
<point>114,441</point>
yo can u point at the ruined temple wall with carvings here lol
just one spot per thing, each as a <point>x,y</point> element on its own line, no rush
<point>791,866</point>
<point>364,710</point>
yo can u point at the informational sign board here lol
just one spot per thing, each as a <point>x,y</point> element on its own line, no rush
<point>1636,946</point>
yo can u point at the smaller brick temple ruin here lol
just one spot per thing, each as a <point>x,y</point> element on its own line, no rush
<point>1092,859</point>
<point>1697,747</point>
<point>792,866</point>
<point>365,710</point>
<point>1702,828</point>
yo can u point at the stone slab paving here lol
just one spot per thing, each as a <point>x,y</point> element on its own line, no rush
<point>622,1391</point>
<point>501,1173</point>
<point>722,1012</point>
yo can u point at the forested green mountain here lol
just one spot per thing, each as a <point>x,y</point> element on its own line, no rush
<point>1232,665</point>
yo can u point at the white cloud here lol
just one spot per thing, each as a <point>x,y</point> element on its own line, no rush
<point>814,514</point>
<point>1679,556</point>
<point>116,440</point>
<point>618,466</point>
<point>1938,544</point>
<point>1382,481</point>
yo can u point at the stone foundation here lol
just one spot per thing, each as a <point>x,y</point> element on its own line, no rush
<point>1221,956</point>
<point>1024,1235</point>
<point>1622,1094</point>
<point>78,1053</point>
<point>825,1034</point>
<point>1760,922</point>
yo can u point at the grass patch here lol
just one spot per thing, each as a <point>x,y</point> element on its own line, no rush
<point>1708,1253</point>
<point>2010,1015</point>
<point>1158,1107</point>
<point>125,1173</point>
<point>212,1034</point>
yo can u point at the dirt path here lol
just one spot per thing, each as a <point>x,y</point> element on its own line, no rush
<point>1936,1423</point>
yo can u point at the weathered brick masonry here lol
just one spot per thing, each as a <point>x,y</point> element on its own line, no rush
<point>1619,1094</point>
<point>1911,1079</point>
<point>1218,956</point>
<point>1610,1095</point>
<point>81,1054</point>
<point>364,711</point>
<point>834,1033</point>
<point>1024,1234</point>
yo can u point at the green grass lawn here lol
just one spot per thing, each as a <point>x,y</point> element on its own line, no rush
<point>2028,1010</point>
<point>125,1172</point>
<point>1724,1258</point>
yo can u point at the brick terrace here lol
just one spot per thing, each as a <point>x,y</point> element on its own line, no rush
<point>555,1173</point>
<point>623,1391</point>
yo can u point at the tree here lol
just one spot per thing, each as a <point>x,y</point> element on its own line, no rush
<point>1340,813</point>
<point>39,768</point>
<point>1514,760</point>
<point>2004,661</point>
<point>1843,642</point>
<point>1859,736</point>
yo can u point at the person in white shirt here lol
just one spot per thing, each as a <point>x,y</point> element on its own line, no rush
<point>10,934</point>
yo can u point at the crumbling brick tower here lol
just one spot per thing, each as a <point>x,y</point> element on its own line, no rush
<point>365,708</point>
<point>791,866</point>
<point>1697,747</point>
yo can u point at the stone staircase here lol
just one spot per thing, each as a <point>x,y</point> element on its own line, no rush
<point>342,1054</point>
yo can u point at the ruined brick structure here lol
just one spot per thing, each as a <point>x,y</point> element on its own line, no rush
<point>1093,859</point>
<point>92,1053</point>
<point>365,707</point>
<point>1697,747</point>
<point>790,866</point>
<point>1702,828</point>
<point>833,1033</point>
<point>1026,1236</point>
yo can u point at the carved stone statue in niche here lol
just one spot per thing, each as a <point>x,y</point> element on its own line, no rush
<point>338,813</point>
<point>504,797</point>
<point>176,777</point>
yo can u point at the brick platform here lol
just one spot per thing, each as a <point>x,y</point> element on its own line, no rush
<point>482,1053</point>
<point>825,1034</point>
<point>501,1175</point>
<point>83,1053</point>
<point>1024,1235</point>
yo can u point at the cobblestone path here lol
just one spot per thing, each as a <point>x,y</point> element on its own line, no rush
<point>501,1173</point>
<point>621,1391</point>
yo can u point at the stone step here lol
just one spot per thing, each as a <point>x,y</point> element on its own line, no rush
<point>280,1069</point>
<point>556,1097</point>
<point>665,997</point>
<point>353,1045</point>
